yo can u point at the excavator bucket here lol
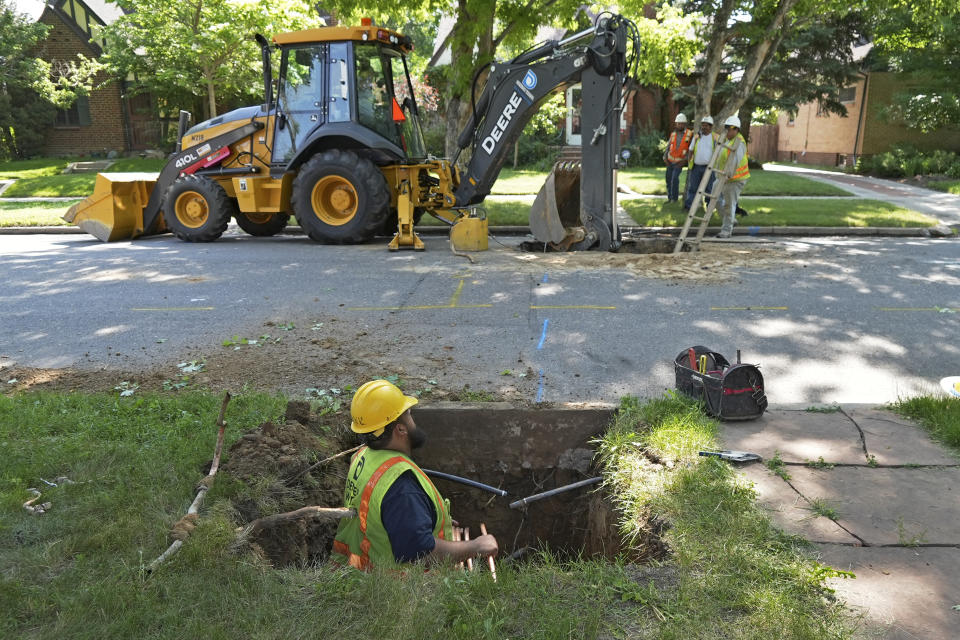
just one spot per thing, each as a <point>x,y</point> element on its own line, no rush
<point>115,210</point>
<point>555,215</point>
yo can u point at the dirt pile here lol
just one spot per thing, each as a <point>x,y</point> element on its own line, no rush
<point>270,461</point>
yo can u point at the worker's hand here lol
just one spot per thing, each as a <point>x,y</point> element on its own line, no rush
<point>486,545</point>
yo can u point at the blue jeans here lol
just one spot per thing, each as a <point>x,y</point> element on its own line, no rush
<point>693,183</point>
<point>673,181</point>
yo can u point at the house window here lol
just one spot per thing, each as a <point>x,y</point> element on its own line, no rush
<point>848,94</point>
<point>76,115</point>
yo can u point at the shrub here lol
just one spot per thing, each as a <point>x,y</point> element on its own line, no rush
<point>907,161</point>
<point>646,149</point>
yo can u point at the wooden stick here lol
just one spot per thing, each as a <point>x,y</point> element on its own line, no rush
<point>317,464</point>
<point>457,537</point>
<point>493,569</point>
<point>205,484</point>
<point>332,513</point>
<point>466,536</point>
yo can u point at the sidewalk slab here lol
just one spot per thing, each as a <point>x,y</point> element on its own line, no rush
<point>799,436</point>
<point>902,593</point>
<point>789,511</point>
<point>892,439</point>
<point>884,506</point>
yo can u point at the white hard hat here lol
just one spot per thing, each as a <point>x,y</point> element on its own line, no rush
<point>732,121</point>
<point>707,120</point>
<point>680,118</point>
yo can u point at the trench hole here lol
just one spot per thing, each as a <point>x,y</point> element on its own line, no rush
<point>634,245</point>
<point>530,452</point>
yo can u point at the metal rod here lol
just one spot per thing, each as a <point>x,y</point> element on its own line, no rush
<point>577,36</point>
<point>466,481</point>
<point>546,494</point>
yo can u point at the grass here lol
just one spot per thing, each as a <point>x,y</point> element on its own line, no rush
<point>41,178</point>
<point>939,415</point>
<point>33,168</point>
<point>77,571</point>
<point>652,181</point>
<point>789,213</point>
<point>33,214</point>
<point>499,213</point>
<point>737,575</point>
<point>822,507</point>
<point>947,186</point>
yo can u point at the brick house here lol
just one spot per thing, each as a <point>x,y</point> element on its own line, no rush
<point>106,120</point>
<point>814,137</point>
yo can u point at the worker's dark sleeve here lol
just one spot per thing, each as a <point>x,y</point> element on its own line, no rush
<point>409,518</point>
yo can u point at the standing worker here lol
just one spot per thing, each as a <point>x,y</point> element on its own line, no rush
<point>676,156</point>
<point>736,167</point>
<point>701,150</point>
<point>401,517</point>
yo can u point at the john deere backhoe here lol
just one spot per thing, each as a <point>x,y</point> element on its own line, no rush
<point>340,147</point>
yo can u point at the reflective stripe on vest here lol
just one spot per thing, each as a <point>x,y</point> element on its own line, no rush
<point>362,559</point>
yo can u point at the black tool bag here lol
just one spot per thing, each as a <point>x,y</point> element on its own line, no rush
<point>729,392</point>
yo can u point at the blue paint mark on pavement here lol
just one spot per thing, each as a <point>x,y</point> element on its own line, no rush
<point>543,336</point>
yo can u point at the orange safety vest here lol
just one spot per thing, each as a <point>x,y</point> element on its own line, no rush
<point>677,146</point>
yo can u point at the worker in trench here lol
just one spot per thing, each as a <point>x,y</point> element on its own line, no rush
<point>401,516</point>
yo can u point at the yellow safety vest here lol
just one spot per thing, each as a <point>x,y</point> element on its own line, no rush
<point>696,141</point>
<point>362,542</point>
<point>742,171</point>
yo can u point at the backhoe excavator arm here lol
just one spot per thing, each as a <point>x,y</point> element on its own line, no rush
<point>596,58</point>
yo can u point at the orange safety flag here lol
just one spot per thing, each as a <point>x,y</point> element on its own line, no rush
<point>398,112</point>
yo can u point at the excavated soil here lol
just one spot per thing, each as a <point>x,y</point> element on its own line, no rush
<point>270,462</point>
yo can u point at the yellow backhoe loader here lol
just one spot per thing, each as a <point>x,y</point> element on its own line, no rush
<point>340,147</point>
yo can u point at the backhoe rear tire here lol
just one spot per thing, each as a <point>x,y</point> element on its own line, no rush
<point>340,198</point>
<point>262,224</point>
<point>197,209</point>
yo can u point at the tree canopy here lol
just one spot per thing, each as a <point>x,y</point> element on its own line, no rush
<point>30,89</point>
<point>923,39</point>
<point>181,50</point>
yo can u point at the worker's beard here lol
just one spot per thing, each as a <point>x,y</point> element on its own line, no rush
<point>417,438</point>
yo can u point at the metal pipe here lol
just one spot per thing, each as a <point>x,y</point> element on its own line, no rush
<point>546,494</point>
<point>466,481</point>
<point>577,36</point>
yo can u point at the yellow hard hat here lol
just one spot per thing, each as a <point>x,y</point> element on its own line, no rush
<point>376,404</point>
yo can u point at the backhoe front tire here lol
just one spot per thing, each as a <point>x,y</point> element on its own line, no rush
<point>262,224</point>
<point>197,209</point>
<point>340,198</point>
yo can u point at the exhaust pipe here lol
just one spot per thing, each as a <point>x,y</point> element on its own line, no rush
<point>182,128</point>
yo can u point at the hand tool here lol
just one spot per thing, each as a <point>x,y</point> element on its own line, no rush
<point>733,456</point>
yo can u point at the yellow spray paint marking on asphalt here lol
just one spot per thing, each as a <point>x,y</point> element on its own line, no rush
<point>453,304</point>
<point>749,308</point>
<point>173,309</point>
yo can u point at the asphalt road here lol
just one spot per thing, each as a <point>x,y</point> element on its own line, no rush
<point>844,320</point>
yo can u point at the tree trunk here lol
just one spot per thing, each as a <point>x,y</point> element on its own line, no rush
<point>713,60</point>
<point>211,95</point>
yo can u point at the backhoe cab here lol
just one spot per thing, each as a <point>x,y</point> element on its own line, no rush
<point>340,147</point>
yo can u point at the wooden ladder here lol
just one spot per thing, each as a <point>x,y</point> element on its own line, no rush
<point>710,207</point>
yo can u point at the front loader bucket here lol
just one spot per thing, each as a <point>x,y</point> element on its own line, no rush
<point>115,210</point>
<point>555,215</point>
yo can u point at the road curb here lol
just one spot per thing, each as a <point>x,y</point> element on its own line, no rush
<point>876,232</point>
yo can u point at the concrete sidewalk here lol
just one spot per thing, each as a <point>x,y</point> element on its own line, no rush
<point>877,497</point>
<point>943,206</point>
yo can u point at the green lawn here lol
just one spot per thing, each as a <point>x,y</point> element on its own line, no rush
<point>42,177</point>
<point>652,181</point>
<point>939,415</point>
<point>34,168</point>
<point>947,186</point>
<point>77,571</point>
<point>825,212</point>
<point>34,214</point>
<point>499,213</point>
